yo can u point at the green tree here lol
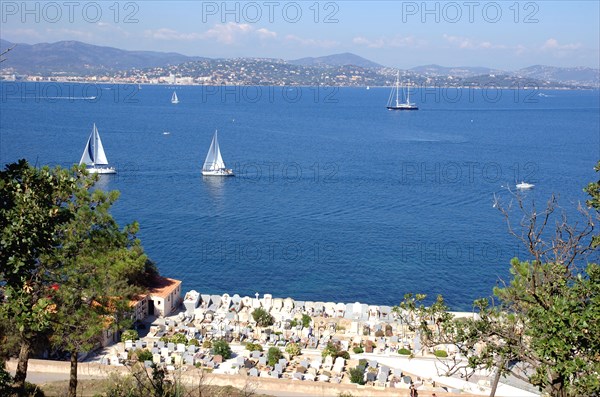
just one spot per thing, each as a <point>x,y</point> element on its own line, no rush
<point>541,325</point>
<point>221,347</point>
<point>293,349</point>
<point>306,320</point>
<point>129,334</point>
<point>262,317</point>
<point>273,355</point>
<point>34,205</point>
<point>66,265</point>
<point>96,261</point>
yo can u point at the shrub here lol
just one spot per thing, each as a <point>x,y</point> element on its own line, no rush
<point>345,394</point>
<point>358,350</point>
<point>294,323</point>
<point>273,355</point>
<point>404,351</point>
<point>379,333</point>
<point>330,350</point>
<point>306,319</point>
<point>179,338</point>
<point>362,362</point>
<point>254,347</point>
<point>262,317</point>
<point>129,334</point>
<point>193,342</point>
<point>143,355</point>
<point>207,344</point>
<point>357,375</point>
<point>293,349</point>
<point>165,339</point>
<point>440,353</point>
<point>221,347</point>
<point>339,327</point>
<point>33,390</point>
<point>343,354</point>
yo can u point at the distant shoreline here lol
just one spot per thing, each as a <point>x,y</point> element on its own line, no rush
<point>170,85</point>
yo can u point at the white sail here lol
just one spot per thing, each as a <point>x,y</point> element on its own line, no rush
<point>174,98</point>
<point>396,92</point>
<point>93,154</point>
<point>213,161</point>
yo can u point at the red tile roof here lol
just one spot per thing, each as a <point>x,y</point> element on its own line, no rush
<point>163,286</point>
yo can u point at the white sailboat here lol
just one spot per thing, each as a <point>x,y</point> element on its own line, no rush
<point>94,157</point>
<point>398,105</point>
<point>174,98</point>
<point>214,164</point>
<point>524,185</point>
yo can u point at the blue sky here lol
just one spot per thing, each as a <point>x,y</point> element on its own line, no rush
<point>501,34</point>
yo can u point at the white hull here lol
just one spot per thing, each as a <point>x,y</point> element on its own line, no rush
<point>95,170</point>
<point>225,172</point>
<point>524,186</point>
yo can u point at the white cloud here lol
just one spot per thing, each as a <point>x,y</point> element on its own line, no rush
<point>170,34</point>
<point>393,42</point>
<point>553,44</point>
<point>311,42</point>
<point>266,33</point>
<point>228,33</point>
<point>471,44</point>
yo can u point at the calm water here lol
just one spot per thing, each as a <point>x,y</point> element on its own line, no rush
<point>335,198</point>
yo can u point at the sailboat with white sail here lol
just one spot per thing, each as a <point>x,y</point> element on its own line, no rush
<point>400,105</point>
<point>214,164</point>
<point>174,98</point>
<point>94,157</point>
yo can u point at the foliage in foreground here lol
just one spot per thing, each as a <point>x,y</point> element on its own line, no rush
<point>67,269</point>
<point>541,325</point>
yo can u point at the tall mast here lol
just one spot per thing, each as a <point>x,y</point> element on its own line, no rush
<point>397,87</point>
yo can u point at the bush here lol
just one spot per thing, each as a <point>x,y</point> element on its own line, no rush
<point>129,334</point>
<point>379,333</point>
<point>207,344</point>
<point>440,353</point>
<point>33,390</point>
<point>193,342</point>
<point>254,347</point>
<point>293,349</point>
<point>262,317</point>
<point>343,354</point>
<point>357,375</point>
<point>221,347</point>
<point>358,350</point>
<point>179,338</point>
<point>404,351</point>
<point>143,355</point>
<point>330,350</point>
<point>306,319</point>
<point>294,323</point>
<point>273,355</point>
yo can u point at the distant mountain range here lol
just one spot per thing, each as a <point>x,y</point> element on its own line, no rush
<point>78,57</point>
<point>336,60</point>
<point>74,57</point>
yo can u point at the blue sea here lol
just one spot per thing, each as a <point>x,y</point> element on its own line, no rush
<point>335,198</point>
